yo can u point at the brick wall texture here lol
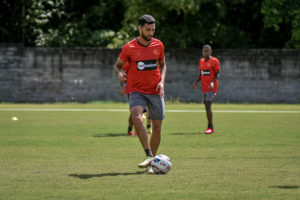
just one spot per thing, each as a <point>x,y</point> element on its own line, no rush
<point>86,74</point>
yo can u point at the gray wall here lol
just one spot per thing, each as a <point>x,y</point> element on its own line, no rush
<point>86,74</point>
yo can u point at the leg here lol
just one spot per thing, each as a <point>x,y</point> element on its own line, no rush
<point>157,113</point>
<point>136,113</point>
<point>156,136</point>
<point>130,121</point>
<point>149,121</point>
<point>209,96</point>
<point>208,111</point>
<point>130,125</point>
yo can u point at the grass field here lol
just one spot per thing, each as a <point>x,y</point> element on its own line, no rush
<point>54,152</point>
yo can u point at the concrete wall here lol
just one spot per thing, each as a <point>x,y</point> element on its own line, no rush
<point>86,74</point>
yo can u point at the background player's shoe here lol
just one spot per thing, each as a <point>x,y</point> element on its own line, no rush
<point>146,162</point>
<point>209,131</point>
<point>130,133</point>
<point>149,130</point>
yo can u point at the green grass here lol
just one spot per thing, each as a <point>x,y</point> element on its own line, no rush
<point>86,155</point>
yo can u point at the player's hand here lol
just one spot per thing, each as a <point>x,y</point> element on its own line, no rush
<point>122,76</point>
<point>160,86</point>
<point>195,85</point>
<point>211,86</point>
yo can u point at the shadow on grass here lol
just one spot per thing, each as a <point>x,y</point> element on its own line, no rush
<point>180,133</point>
<point>87,176</point>
<point>286,186</point>
<point>110,135</point>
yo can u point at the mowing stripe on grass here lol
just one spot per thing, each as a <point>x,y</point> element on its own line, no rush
<point>127,110</point>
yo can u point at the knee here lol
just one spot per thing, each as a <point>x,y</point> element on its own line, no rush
<point>137,118</point>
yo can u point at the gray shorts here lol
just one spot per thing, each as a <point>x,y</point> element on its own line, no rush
<point>208,96</point>
<point>155,102</point>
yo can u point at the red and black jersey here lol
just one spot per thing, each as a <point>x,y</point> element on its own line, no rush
<point>208,69</point>
<point>143,72</point>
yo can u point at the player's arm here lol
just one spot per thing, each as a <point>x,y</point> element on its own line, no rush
<point>163,70</point>
<point>118,70</point>
<point>212,84</point>
<point>216,77</point>
<point>197,80</point>
<point>216,68</point>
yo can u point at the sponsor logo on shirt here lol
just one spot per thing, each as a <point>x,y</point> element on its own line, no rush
<point>145,65</point>
<point>205,73</point>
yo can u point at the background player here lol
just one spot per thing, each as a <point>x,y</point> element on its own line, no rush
<point>130,121</point>
<point>209,68</point>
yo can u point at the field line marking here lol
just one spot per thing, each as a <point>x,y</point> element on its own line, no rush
<point>127,110</point>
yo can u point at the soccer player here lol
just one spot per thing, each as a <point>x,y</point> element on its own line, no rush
<point>145,83</point>
<point>209,68</point>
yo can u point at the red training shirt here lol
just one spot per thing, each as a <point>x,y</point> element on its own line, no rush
<point>208,69</point>
<point>143,72</point>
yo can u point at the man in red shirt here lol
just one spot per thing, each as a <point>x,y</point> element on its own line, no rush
<point>209,68</point>
<point>145,79</point>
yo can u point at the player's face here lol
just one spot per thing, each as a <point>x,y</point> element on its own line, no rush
<point>147,31</point>
<point>206,52</point>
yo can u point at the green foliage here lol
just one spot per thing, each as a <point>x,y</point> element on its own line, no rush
<point>10,21</point>
<point>179,23</point>
<point>40,19</point>
<point>284,17</point>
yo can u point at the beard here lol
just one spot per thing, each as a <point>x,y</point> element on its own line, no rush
<point>146,38</point>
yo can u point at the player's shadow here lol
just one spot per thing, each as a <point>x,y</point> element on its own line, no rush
<point>285,186</point>
<point>181,133</point>
<point>87,176</point>
<point>110,135</point>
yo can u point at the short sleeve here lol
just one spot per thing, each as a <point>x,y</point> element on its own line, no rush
<point>124,53</point>
<point>217,66</point>
<point>162,52</point>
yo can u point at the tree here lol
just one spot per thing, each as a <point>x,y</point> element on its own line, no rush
<point>180,23</point>
<point>11,21</point>
<point>73,23</point>
<point>283,17</point>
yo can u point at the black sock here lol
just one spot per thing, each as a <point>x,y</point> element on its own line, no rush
<point>148,152</point>
<point>211,126</point>
<point>148,126</point>
<point>129,129</point>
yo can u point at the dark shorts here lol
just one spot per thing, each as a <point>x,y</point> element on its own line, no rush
<point>155,102</point>
<point>208,96</point>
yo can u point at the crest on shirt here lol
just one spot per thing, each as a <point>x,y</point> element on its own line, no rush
<point>155,52</point>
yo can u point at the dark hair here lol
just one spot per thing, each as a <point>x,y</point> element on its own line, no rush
<point>146,19</point>
<point>207,46</point>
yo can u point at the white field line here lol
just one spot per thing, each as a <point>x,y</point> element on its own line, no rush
<point>127,110</point>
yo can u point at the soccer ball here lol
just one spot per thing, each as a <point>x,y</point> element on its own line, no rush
<point>161,164</point>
